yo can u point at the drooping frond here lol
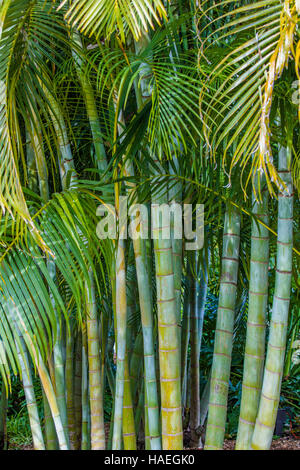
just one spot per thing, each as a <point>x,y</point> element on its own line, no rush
<point>258,39</point>
<point>12,18</point>
<point>31,302</point>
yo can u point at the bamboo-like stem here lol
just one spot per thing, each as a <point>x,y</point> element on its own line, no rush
<point>120,328</point>
<point>145,299</point>
<point>197,319</point>
<point>3,414</point>
<point>139,409</point>
<point>69,368</point>
<point>91,108</point>
<point>35,149</point>
<point>224,332</point>
<point>78,390</point>
<point>175,195</point>
<point>66,161</point>
<point>59,368</point>
<point>112,385</point>
<point>129,435</point>
<point>33,414</point>
<point>270,395</point>
<point>202,289</point>
<point>85,439</point>
<point>48,389</point>
<point>136,363</point>
<point>167,308</point>
<point>95,385</point>
<point>256,324</point>
<point>131,311</point>
<point>149,355</point>
<point>31,164</point>
<point>185,337</point>
<point>146,419</point>
<point>169,347</point>
<point>26,376</point>
<point>204,402</point>
<point>50,433</point>
<point>110,378</point>
<point>195,353</point>
<point>50,394</point>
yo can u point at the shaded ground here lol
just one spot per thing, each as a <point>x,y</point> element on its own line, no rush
<point>288,442</point>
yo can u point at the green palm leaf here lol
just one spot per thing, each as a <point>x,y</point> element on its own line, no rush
<point>258,39</point>
<point>107,16</point>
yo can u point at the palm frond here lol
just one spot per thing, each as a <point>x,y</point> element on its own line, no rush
<point>259,40</point>
<point>106,17</point>
<point>12,200</point>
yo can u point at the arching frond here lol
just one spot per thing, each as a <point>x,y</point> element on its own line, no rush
<point>12,18</point>
<point>107,17</point>
<point>258,39</point>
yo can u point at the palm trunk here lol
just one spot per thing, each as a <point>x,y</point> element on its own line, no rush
<point>224,332</point>
<point>66,161</point>
<point>149,355</point>
<point>70,389</point>
<point>168,306</point>
<point>175,195</point>
<point>185,336</point>
<point>85,439</point>
<point>270,395</point>
<point>202,288</point>
<point>139,411</point>
<point>129,435</point>
<point>198,300</point>
<point>195,354</point>
<point>136,364</point>
<point>50,433</point>
<point>204,402</point>
<point>34,420</point>
<point>142,271</point>
<point>169,347</point>
<point>120,329</point>
<point>3,414</point>
<point>59,368</point>
<point>91,108</point>
<point>95,384</point>
<point>50,394</point>
<point>256,325</point>
<point>31,164</point>
<point>78,390</point>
